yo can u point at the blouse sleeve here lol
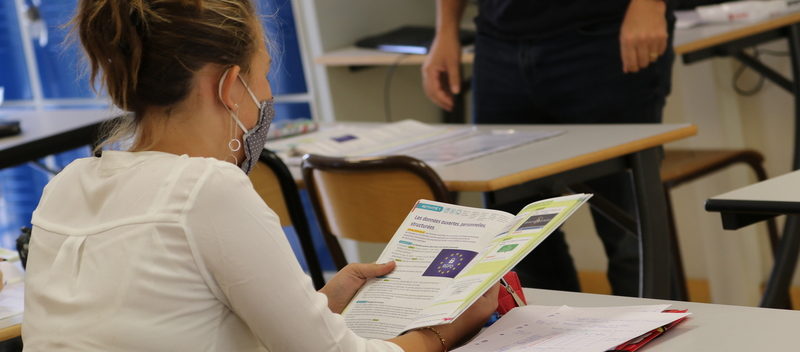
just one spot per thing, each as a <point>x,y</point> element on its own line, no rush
<point>239,241</point>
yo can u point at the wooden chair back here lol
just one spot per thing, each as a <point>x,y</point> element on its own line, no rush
<point>367,199</point>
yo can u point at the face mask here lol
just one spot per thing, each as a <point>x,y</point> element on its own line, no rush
<point>255,138</point>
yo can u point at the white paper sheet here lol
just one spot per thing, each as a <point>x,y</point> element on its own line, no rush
<point>479,143</point>
<point>569,329</point>
<point>434,144</point>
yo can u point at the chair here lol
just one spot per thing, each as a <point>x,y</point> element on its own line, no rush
<point>681,166</point>
<point>366,199</point>
<point>273,181</point>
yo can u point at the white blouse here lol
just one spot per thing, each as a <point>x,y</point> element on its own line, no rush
<point>151,251</point>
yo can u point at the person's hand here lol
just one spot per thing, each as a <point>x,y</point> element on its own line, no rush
<point>344,285</point>
<point>643,37</point>
<point>472,320</point>
<point>441,78</point>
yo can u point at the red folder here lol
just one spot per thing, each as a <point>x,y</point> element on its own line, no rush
<point>511,287</point>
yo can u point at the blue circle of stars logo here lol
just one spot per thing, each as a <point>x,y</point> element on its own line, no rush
<point>449,263</point>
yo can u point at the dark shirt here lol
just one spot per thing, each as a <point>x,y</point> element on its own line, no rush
<point>542,19</point>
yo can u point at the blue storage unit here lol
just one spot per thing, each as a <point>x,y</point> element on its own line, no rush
<point>291,111</point>
<point>59,63</point>
<point>13,71</point>
<point>286,74</point>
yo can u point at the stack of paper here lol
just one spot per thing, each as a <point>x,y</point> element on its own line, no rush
<point>434,144</point>
<point>554,329</point>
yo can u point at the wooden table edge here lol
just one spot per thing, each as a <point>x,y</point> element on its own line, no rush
<point>573,163</point>
<point>738,33</point>
<point>379,59</point>
<point>10,332</point>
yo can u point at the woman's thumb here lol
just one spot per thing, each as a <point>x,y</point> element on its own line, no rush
<point>375,270</point>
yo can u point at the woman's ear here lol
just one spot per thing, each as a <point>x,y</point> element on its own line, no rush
<point>226,87</point>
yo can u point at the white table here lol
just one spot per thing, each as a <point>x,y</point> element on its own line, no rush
<point>711,327</point>
<point>747,205</point>
<point>47,132</point>
<point>11,299</point>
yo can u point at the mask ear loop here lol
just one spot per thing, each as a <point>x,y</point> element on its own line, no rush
<point>234,144</point>
<point>249,91</point>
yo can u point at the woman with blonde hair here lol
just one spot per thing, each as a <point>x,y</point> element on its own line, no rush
<point>166,246</point>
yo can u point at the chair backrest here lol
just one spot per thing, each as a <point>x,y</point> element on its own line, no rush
<point>273,181</point>
<point>367,199</point>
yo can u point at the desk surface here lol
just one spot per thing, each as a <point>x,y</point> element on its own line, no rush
<point>704,36</point>
<point>686,41</point>
<point>579,146</point>
<point>45,132</point>
<point>354,56</point>
<point>11,298</point>
<point>711,327</point>
<point>779,195</point>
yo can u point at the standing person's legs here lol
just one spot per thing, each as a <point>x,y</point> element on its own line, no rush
<point>580,80</point>
<point>502,95</point>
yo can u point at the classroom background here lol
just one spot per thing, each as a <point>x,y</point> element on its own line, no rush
<point>732,107</point>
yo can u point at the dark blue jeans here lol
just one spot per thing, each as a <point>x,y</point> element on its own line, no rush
<point>574,78</point>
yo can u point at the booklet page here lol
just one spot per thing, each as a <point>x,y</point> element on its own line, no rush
<point>501,253</point>
<point>433,245</point>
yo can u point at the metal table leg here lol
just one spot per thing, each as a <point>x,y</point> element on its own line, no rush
<point>794,51</point>
<point>776,294</point>
<point>655,247</point>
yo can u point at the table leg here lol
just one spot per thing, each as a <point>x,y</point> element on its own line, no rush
<point>654,243</point>
<point>776,294</point>
<point>794,52</point>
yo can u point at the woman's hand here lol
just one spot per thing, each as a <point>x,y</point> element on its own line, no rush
<point>344,285</point>
<point>473,319</point>
<point>643,37</point>
<point>455,333</point>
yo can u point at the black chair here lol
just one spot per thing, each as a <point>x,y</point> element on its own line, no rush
<point>273,181</point>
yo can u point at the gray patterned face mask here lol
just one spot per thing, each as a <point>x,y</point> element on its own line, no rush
<point>255,138</point>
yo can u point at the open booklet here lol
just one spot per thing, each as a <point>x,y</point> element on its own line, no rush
<point>447,257</point>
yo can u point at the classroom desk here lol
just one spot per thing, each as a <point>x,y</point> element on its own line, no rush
<point>354,57</point>
<point>711,327</point>
<point>48,132</point>
<point>582,153</point>
<point>761,201</point>
<point>11,298</point>
<point>708,41</point>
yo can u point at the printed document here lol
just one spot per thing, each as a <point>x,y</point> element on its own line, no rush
<point>569,329</point>
<point>447,257</point>
<point>433,144</point>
